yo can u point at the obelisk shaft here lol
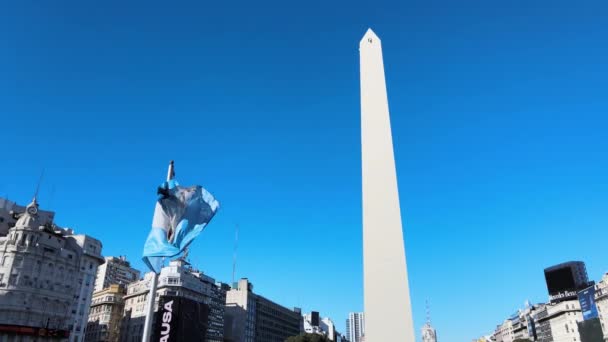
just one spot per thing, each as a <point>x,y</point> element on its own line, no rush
<point>388,313</point>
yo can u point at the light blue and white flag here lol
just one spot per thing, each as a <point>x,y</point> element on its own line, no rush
<point>181,213</point>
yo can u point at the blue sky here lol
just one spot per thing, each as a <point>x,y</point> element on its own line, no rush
<point>499,123</point>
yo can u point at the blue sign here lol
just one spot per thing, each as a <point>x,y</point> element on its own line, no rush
<point>587,299</point>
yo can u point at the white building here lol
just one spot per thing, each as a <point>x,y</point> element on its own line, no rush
<point>116,270</point>
<point>355,326</point>
<point>558,322</point>
<point>314,324</point>
<point>601,302</point>
<point>46,278</point>
<point>177,279</point>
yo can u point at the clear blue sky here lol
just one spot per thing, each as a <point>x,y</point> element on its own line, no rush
<point>499,120</point>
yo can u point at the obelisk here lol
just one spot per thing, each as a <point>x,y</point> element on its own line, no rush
<point>388,312</point>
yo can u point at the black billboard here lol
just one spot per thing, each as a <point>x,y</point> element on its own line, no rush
<point>560,280</point>
<point>314,318</point>
<point>591,330</point>
<point>179,319</point>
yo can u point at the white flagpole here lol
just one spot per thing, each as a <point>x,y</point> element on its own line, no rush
<point>152,293</point>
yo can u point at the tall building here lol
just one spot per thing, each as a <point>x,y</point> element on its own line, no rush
<point>251,317</point>
<point>46,278</point>
<point>178,279</point>
<point>355,326</point>
<point>105,314</point>
<point>116,270</point>
<point>388,311</point>
<point>601,302</point>
<point>565,280</point>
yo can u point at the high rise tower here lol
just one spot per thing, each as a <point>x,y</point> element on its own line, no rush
<point>388,313</point>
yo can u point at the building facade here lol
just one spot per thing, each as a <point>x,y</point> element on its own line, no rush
<point>178,279</point>
<point>115,270</point>
<point>601,302</point>
<point>105,314</point>
<point>558,322</point>
<point>314,324</point>
<point>355,326</point>
<point>253,318</point>
<point>46,278</point>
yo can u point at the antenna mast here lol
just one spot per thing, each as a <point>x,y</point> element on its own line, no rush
<point>38,185</point>
<point>236,245</point>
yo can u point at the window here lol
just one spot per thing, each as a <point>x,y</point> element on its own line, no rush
<point>4,260</point>
<point>12,280</point>
<point>18,261</point>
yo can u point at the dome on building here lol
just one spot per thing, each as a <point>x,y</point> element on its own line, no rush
<point>29,219</point>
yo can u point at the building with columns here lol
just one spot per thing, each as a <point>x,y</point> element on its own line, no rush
<point>46,278</point>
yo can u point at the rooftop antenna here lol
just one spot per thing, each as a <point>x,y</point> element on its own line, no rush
<point>236,245</point>
<point>428,313</point>
<point>38,186</point>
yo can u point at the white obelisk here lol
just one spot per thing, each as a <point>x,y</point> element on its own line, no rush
<point>388,312</point>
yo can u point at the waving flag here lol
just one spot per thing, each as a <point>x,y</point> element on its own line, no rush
<point>181,213</point>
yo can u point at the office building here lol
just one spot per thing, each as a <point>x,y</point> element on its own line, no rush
<point>46,278</point>
<point>251,317</point>
<point>565,280</point>
<point>178,279</point>
<point>105,314</point>
<point>355,326</point>
<point>115,270</point>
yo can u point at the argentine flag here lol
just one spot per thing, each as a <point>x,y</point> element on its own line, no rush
<point>181,213</point>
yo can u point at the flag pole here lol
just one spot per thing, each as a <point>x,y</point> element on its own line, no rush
<point>152,293</point>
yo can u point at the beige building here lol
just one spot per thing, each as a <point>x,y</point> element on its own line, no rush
<point>601,301</point>
<point>253,318</point>
<point>558,322</point>
<point>177,279</point>
<point>105,315</point>
<point>116,270</point>
<point>46,279</point>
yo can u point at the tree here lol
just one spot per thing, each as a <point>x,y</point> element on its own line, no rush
<point>308,338</point>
